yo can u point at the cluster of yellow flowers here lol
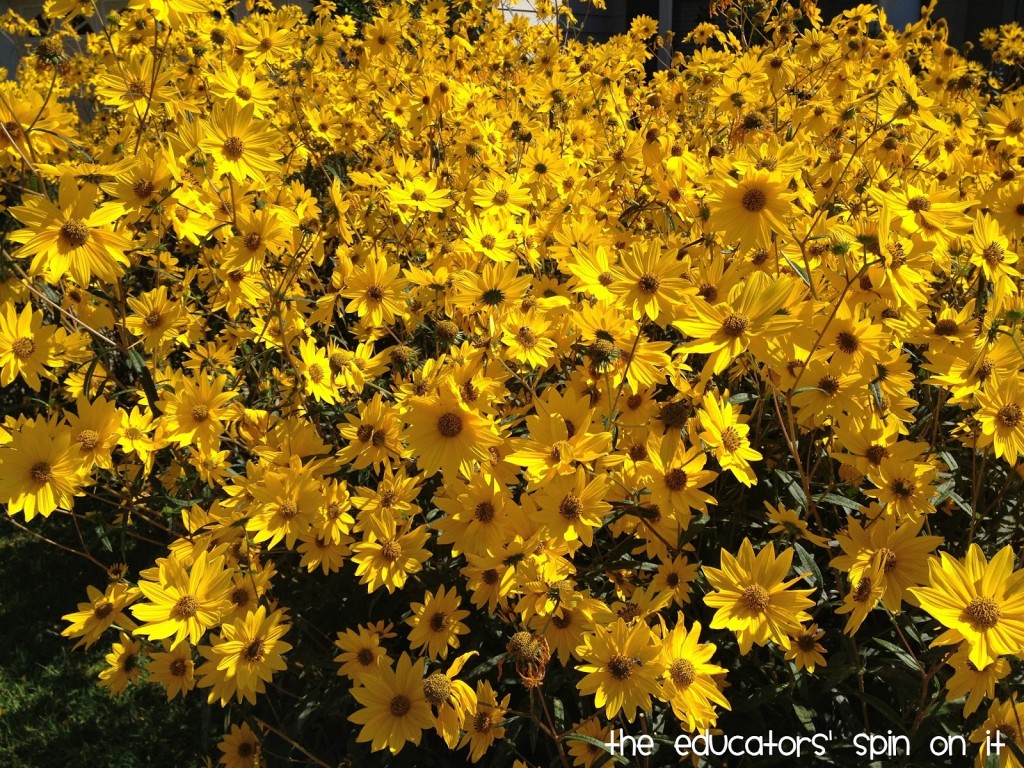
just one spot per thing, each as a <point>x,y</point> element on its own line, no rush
<point>500,338</point>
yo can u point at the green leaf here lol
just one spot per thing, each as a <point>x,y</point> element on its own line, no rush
<point>838,500</point>
<point>798,269</point>
<point>899,651</point>
<point>619,759</point>
<point>807,563</point>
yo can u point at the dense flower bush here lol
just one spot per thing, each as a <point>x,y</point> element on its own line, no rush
<point>440,382</point>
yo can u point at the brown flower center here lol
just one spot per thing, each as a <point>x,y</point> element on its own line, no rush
<point>755,598</point>
<point>88,439</point>
<point>390,550</point>
<point>620,667</point>
<point>1009,415</point>
<point>903,488</point>
<point>233,148</point>
<point>570,507</point>
<point>735,325</point>
<point>675,479</point>
<point>673,415</point>
<point>648,283</point>
<point>527,339</point>
<point>919,203</point>
<point>847,342</point>
<point>946,327</point>
<point>316,373</point>
<point>400,705</point>
<point>683,673</point>
<point>449,425</point>
<point>23,347</point>
<point>437,688</point>
<point>186,607</point>
<point>982,612</point>
<point>887,558</point>
<point>731,439</point>
<point>863,590</point>
<point>178,667</point>
<point>754,200</point>
<point>41,472</point>
<point>484,512</point>
<point>200,413</point>
<point>829,384</point>
<point>74,233</point>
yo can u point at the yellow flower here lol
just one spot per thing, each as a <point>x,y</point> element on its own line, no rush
<point>251,650</point>
<point>437,622</point>
<point>183,604</point>
<point>484,725</point>
<point>72,237</point>
<point>26,346</point>
<point>394,710</point>
<point>446,435</point>
<point>621,667</point>
<point>689,685</point>
<point>753,599</point>
<point>241,748</point>
<point>40,470</point>
<point>123,665</point>
<point>981,602</point>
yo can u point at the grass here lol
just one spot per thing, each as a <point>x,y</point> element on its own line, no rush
<point>51,711</point>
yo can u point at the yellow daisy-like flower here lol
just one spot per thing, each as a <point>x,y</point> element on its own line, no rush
<point>753,599</point>
<point>251,650</point>
<point>40,470</point>
<point>240,748</point>
<point>751,208</point>
<point>621,667</point>
<point>241,146</point>
<point>689,685</point>
<point>1002,417</point>
<point>184,604</point>
<point>981,602</point>
<point>394,710</point>
<point>26,346</point>
<point>437,622</point>
<point>446,435</point>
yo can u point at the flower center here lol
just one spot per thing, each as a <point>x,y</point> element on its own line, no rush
<point>829,384</point>
<point>847,342</point>
<point>186,607</point>
<point>903,489</point>
<point>887,558</point>
<point>482,722</point>
<point>648,283</point>
<point>919,204</point>
<point>254,651</point>
<point>1009,415</point>
<point>177,668</point>
<point>152,320</point>
<point>527,339</point>
<point>863,590</point>
<point>390,550</point>
<point>88,439</point>
<point>982,612</point>
<point>735,325</point>
<point>437,688</point>
<point>754,200</point>
<point>484,512</point>
<point>571,507</point>
<point>200,413</point>
<point>316,373</point>
<point>74,233</point>
<point>449,425</point>
<point>620,667</point>
<point>606,279</point>
<point>946,327</point>
<point>731,439</point>
<point>675,479</point>
<point>683,673</point>
<point>41,472</point>
<point>755,598</point>
<point>440,621</point>
<point>233,148</point>
<point>400,705</point>
<point>23,348</point>
<point>142,189</point>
